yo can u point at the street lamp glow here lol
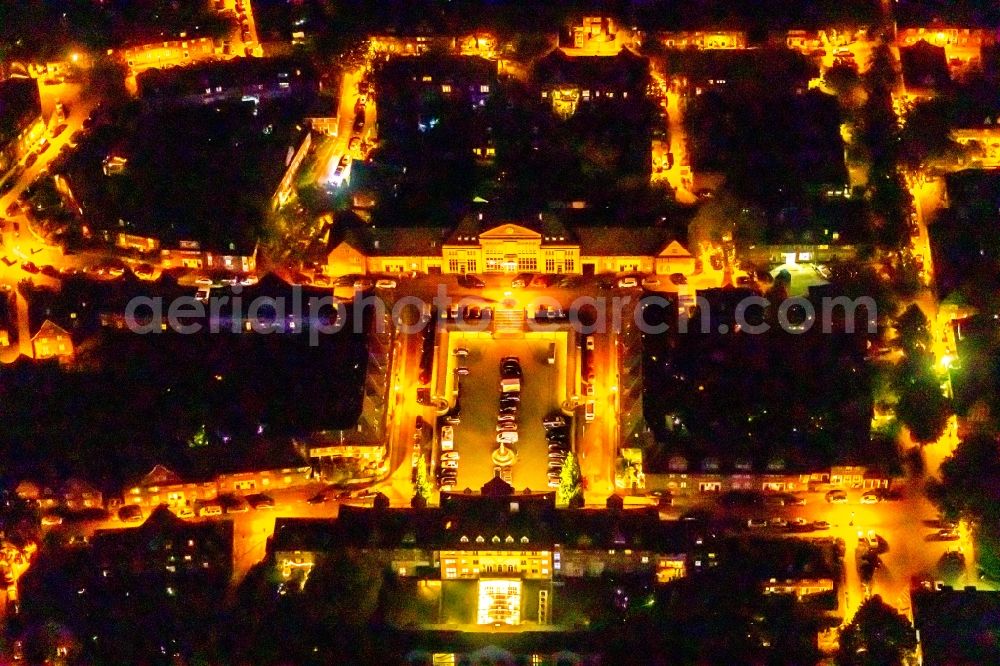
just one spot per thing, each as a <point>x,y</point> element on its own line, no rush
<point>946,360</point>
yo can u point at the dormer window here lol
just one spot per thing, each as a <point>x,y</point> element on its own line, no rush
<point>464,539</point>
<point>495,539</point>
<point>509,539</point>
<point>524,539</point>
<point>480,539</point>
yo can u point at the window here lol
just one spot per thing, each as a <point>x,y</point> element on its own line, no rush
<point>569,266</point>
<point>550,265</point>
<point>450,572</point>
<point>484,89</point>
<point>446,88</point>
<point>524,539</point>
<point>454,266</point>
<point>464,539</point>
<point>527,264</point>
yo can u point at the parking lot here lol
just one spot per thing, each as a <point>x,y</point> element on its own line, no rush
<point>479,395</point>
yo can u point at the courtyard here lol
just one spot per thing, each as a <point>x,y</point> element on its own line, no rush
<point>478,393</point>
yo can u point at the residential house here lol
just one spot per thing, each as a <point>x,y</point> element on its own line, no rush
<point>693,72</point>
<point>567,81</point>
<point>78,495</point>
<point>703,39</point>
<point>52,341</point>
<point>943,35</point>
<point>163,486</point>
<point>238,79</point>
<point>168,53</point>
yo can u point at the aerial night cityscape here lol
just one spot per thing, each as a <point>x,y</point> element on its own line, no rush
<point>500,332</point>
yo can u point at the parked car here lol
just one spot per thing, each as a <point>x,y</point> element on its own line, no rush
<point>553,421</point>
<point>212,509</point>
<point>756,522</point>
<point>589,342</point>
<point>778,521</point>
<point>628,283</point>
<point>651,282</point>
<point>461,352</point>
<point>236,505</point>
<point>260,501</point>
<point>821,525</point>
<point>470,281</point>
<point>385,284</point>
<point>522,280</point>
<point>130,513</point>
<point>318,498</point>
<point>52,519</point>
<point>871,497</point>
<point>449,455</point>
<point>836,497</point>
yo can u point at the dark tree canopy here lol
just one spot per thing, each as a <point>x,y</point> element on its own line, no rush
<point>877,636</point>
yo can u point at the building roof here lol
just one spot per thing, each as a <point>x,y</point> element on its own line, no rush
<point>623,241</point>
<point>236,73</point>
<point>49,329</point>
<point>624,70</point>
<point>924,66</point>
<point>493,221</point>
<point>495,520</point>
<point>20,103</point>
<point>771,65</point>
<point>957,626</point>
<point>464,73</point>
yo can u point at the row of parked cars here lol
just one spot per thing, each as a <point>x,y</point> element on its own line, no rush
<point>448,460</point>
<point>557,438</point>
<point>510,399</point>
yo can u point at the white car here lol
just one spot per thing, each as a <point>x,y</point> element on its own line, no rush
<point>184,512</point>
<point>204,280</point>
<point>453,464</point>
<point>461,352</point>
<point>447,438</point>
<point>449,455</point>
<point>650,282</point>
<point>870,497</point>
<point>385,284</point>
<point>362,284</point>
<point>628,282</point>
<point>590,343</point>
<point>210,510</point>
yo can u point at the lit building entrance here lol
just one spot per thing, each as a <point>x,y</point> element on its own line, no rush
<point>499,601</point>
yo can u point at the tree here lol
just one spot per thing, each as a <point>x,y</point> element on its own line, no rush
<point>914,333</point>
<point>968,487</point>
<point>421,484</point>
<point>923,408</point>
<point>877,635</point>
<point>570,482</point>
<point>843,80</point>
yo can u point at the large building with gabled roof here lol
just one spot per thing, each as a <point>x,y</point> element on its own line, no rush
<point>487,243</point>
<point>502,552</point>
